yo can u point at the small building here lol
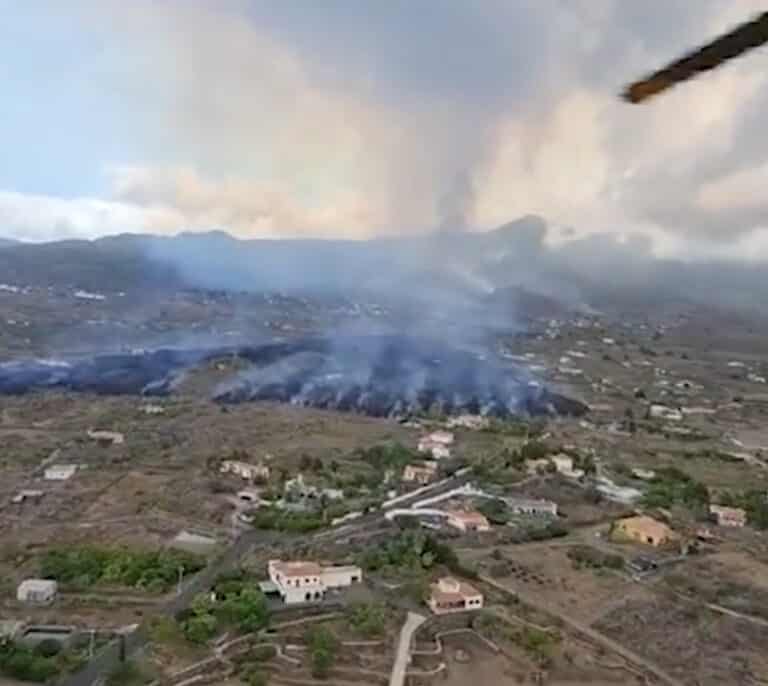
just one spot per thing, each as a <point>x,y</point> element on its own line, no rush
<point>153,409</point>
<point>468,520</point>
<point>107,437</point>
<point>27,494</point>
<point>436,444</point>
<point>249,472</point>
<point>437,451</point>
<point>421,474</point>
<point>643,474</point>
<point>664,412</point>
<point>468,421</point>
<point>728,516</point>
<point>60,472</point>
<point>304,582</point>
<point>451,595</point>
<point>528,506</point>
<point>442,437</point>
<point>37,591</point>
<point>564,465</point>
<point>644,529</point>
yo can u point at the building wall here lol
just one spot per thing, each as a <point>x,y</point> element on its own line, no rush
<point>302,594</point>
<point>341,577</point>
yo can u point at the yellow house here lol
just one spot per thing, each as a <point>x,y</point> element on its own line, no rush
<point>644,529</point>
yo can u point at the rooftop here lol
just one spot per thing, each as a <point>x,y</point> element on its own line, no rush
<point>294,569</point>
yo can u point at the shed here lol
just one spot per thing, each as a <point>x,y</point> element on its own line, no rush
<point>37,591</point>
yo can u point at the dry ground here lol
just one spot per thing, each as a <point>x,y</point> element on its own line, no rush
<point>696,645</point>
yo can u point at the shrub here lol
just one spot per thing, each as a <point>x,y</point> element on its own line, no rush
<point>50,647</point>
<point>370,620</point>
<point>323,647</point>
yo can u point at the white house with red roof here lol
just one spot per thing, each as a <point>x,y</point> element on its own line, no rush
<point>305,582</point>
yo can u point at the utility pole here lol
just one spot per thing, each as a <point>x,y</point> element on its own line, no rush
<point>181,578</point>
<point>91,644</point>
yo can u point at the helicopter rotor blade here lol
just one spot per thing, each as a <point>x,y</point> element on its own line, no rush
<point>743,38</point>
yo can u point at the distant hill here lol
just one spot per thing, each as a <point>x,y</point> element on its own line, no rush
<point>6,242</point>
<point>596,271</point>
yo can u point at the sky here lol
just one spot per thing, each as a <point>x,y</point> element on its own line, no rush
<point>355,118</point>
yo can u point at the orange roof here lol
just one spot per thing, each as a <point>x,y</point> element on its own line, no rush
<point>463,591</point>
<point>469,516</point>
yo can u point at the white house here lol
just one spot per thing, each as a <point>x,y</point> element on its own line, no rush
<point>451,595</point>
<point>37,591</point>
<point>664,412</point>
<point>113,437</point>
<point>303,582</point>
<point>564,465</point>
<point>249,472</point>
<point>526,506</point>
<point>60,472</point>
<point>436,444</point>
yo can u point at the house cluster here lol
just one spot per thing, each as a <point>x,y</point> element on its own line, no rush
<point>307,582</point>
<point>246,471</point>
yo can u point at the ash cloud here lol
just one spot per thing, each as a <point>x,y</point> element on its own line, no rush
<point>342,119</point>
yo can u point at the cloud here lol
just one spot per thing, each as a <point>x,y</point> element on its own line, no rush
<point>272,118</point>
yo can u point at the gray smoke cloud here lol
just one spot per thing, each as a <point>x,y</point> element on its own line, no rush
<point>347,119</point>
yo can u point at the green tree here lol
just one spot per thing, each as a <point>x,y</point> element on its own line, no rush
<point>368,619</point>
<point>323,646</point>
<point>253,675</point>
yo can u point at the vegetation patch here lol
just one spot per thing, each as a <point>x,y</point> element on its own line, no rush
<point>234,602</point>
<point>86,566</point>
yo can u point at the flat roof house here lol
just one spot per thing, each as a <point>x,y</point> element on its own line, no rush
<point>451,595</point>
<point>60,472</point>
<point>529,506</point>
<point>37,591</point>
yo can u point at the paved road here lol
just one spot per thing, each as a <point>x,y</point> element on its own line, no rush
<point>403,657</point>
